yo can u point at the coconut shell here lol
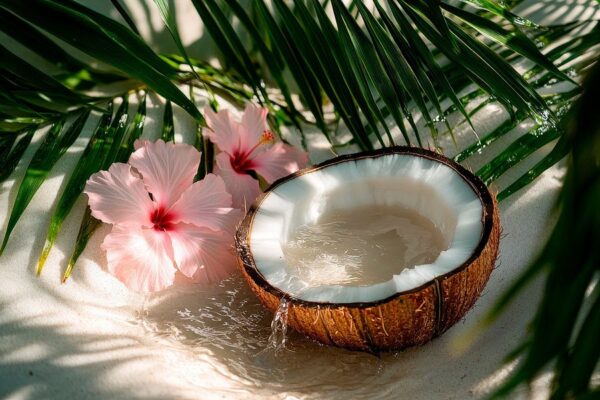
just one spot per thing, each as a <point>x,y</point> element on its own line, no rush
<point>406,319</point>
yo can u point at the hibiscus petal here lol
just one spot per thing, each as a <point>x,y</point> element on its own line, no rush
<point>202,254</point>
<point>244,189</point>
<point>118,197</point>
<point>278,161</point>
<point>224,132</point>
<point>140,258</point>
<point>167,169</point>
<point>254,123</point>
<point>206,203</point>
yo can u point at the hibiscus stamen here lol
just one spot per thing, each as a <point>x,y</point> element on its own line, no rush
<point>242,162</point>
<point>266,137</point>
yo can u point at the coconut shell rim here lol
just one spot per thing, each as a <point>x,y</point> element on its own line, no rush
<point>242,235</point>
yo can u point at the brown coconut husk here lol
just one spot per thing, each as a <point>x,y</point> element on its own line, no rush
<point>409,318</point>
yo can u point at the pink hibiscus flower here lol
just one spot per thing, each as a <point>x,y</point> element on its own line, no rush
<point>249,149</point>
<point>162,220</point>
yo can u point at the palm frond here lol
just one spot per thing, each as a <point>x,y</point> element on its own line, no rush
<point>104,39</point>
<point>515,40</point>
<point>133,131</point>
<point>55,144</point>
<point>572,263</point>
<point>106,138</point>
<point>230,44</point>
<point>125,15</point>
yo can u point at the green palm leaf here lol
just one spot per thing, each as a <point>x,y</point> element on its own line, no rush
<point>309,89</point>
<point>168,16</point>
<point>231,45</point>
<point>105,143</point>
<point>570,260</point>
<point>388,90</point>
<point>12,154</point>
<point>558,153</point>
<point>168,130</point>
<point>353,70</point>
<point>271,59</point>
<point>398,68</point>
<point>55,144</point>
<point>125,15</point>
<point>37,42</point>
<point>89,224</point>
<point>106,40</point>
<point>7,140</point>
<point>515,40</point>
<point>498,9</point>
<point>310,48</point>
<point>428,60</point>
<point>34,87</point>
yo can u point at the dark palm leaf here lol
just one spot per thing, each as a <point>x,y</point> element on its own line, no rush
<point>104,39</point>
<point>56,143</point>
<point>12,155</point>
<point>571,261</point>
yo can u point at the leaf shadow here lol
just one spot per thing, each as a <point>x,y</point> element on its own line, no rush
<point>557,11</point>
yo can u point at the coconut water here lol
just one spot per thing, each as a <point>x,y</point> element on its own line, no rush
<point>361,246</point>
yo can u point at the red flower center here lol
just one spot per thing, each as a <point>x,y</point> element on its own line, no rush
<point>162,219</point>
<point>241,163</point>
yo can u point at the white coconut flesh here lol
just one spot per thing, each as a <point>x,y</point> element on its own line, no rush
<point>424,186</point>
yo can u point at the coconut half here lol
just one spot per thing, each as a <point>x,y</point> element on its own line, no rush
<point>406,308</point>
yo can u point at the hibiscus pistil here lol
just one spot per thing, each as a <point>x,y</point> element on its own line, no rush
<point>241,162</point>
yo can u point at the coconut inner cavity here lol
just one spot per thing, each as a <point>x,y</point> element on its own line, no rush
<point>362,230</point>
<point>362,246</point>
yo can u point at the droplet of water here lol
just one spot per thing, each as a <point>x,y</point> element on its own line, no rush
<point>278,337</point>
<point>543,117</point>
<point>439,118</point>
<point>539,44</point>
<point>524,22</point>
<point>571,73</point>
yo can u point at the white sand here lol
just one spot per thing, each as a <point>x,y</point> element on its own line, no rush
<point>86,339</point>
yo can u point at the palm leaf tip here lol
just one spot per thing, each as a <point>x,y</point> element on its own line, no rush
<point>4,243</point>
<point>88,226</point>
<point>44,256</point>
